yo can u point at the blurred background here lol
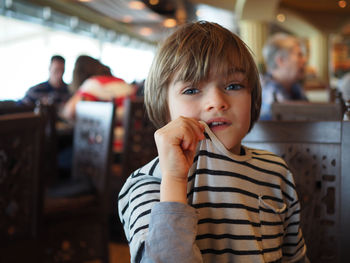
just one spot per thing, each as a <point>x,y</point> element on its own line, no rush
<point>124,34</point>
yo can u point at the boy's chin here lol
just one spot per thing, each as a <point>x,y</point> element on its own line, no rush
<point>231,146</point>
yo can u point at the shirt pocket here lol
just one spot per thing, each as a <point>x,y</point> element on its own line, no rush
<point>272,214</point>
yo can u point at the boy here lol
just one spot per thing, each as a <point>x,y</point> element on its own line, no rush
<point>207,198</point>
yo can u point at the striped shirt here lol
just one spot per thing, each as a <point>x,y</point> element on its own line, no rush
<point>246,208</point>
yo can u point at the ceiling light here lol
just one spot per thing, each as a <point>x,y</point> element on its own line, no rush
<point>154,2</point>
<point>46,13</point>
<point>153,16</point>
<point>281,18</point>
<point>95,29</point>
<point>146,31</point>
<point>127,19</point>
<point>169,22</point>
<point>199,12</point>
<point>74,22</point>
<point>342,4</point>
<point>136,5</point>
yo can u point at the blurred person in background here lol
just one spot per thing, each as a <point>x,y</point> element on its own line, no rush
<point>103,86</point>
<point>84,67</point>
<point>285,60</point>
<point>54,90</point>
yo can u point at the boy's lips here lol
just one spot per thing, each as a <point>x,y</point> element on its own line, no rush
<point>218,123</point>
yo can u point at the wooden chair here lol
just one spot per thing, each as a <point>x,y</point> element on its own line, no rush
<point>76,212</point>
<point>318,155</point>
<point>139,148</point>
<point>306,111</point>
<point>49,118</point>
<point>49,115</point>
<point>21,137</point>
<point>12,107</point>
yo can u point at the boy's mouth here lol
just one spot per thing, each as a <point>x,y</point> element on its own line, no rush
<point>218,122</point>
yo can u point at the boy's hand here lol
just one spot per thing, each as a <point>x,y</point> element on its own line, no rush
<point>176,143</point>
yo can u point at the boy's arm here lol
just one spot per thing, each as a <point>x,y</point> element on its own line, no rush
<point>176,143</point>
<point>172,234</point>
<point>156,230</point>
<point>163,231</point>
<point>173,224</point>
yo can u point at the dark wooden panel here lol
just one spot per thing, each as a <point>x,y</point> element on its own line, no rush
<point>20,153</point>
<point>21,137</point>
<point>76,211</point>
<point>140,147</point>
<point>317,154</point>
<point>291,131</point>
<point>306,111</point>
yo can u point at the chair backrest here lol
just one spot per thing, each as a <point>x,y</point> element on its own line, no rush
<point>49,116</point>
<point>92,144</point>
<point>21,137</point>
<point>139,144</point>
<point>306,111</point>
<point>12,107</point>
<point>318,155</point>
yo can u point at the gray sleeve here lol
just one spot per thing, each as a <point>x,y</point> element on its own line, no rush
<point>172,234</point>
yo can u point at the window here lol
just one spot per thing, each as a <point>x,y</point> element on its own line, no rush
<point>26,48</point>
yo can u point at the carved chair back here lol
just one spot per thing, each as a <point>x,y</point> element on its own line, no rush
<point>11,107</point>
<point>93,142</point>
<point>140,147</point>
<point>318,155</point>
<point>77,221</point>
<point>306,111</point>
<point>21,137</point>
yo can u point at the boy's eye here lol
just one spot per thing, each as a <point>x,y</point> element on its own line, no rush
<point>191,91</point>
<point>234,86</point>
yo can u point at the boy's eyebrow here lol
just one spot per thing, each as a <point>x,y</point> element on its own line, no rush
<point>232,73</point>
<point>181,82</point>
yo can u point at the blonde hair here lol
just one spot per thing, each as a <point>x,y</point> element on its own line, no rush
<point>190,52</point>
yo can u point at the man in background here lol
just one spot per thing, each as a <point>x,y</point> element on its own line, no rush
<point>286,65</point>
<point>54,91</point>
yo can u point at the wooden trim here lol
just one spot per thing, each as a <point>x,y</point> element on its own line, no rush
<point>284,131</point>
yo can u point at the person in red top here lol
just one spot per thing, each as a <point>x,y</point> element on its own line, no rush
<point>104,87</point>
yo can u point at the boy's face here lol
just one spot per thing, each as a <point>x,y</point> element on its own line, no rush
<point>223,103</point>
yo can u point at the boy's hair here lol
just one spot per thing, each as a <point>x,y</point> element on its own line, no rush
<point>190,53</point>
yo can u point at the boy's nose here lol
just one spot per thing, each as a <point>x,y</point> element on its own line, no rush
<point>216,100</point>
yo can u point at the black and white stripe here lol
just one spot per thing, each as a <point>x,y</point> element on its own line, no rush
<point>247,205</point>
